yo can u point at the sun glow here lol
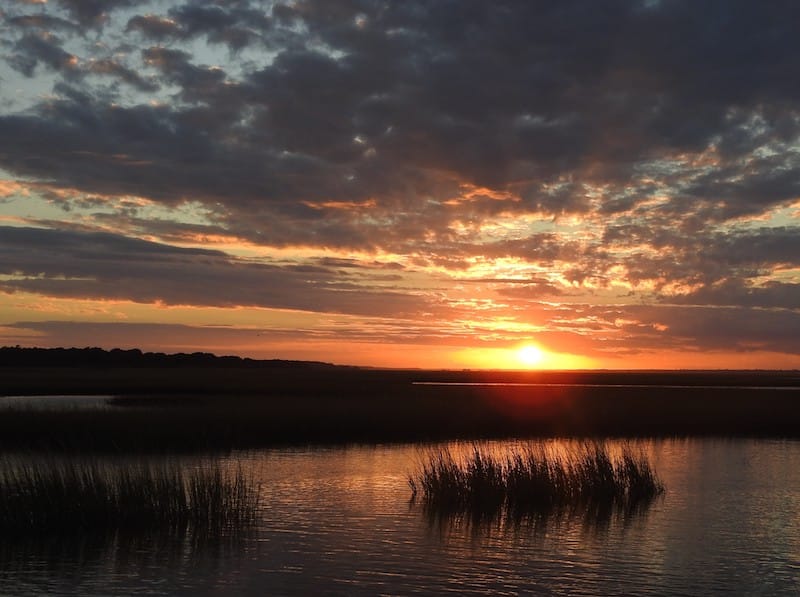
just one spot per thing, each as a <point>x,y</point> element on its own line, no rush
<point>530,355</point>
<point>519,357</point>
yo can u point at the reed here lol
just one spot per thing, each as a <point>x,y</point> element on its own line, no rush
<point>49,496</point>
<point>530,480</point>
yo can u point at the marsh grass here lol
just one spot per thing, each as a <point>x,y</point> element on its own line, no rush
<point>78,496</point>
<point>530,481</point>
<point>168,411</point>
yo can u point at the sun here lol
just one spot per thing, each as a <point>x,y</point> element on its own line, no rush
<point>530,355</point>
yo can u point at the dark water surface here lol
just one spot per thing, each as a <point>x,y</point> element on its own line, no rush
<point>55,402</point>
<point>339,522</point>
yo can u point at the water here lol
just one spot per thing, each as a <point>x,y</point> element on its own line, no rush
<point>339,522</point>
<point>55,402</point>
<point>638,386</point>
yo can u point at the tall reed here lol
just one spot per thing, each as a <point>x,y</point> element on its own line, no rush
<point>52,496</point>
<point>530,480</point>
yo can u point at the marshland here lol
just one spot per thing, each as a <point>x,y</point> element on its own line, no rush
<point>195,402</point>
<point>173,477</point>
<point>57,496</point>
<point>530,481</point>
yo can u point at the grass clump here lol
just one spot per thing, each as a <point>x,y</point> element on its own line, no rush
<point>79,496</point>
<point>530,481</point>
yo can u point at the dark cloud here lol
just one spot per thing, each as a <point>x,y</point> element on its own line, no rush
<point>197,83</point>
<point>234,24</point>
<point>94,13</point>
<point>759,248</point>
<point>173,337</point>
<point>489,95</point>
<point>714,260</point>
<point>222,339</point>
<point>111,68</point>
<point>736,292</point>
<point>527,289</point>
<point>78,264</point>
<point>34,49</point>
<point>719,328</point>
<point>623,331</point>
<point>43,22</point>
<point>746,189</point>
<point>154,27</point>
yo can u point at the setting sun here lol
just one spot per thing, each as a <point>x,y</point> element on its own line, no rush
<point>522,356</point>
<point>530,355</point>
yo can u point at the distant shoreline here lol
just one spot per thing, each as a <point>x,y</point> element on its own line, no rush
<point>198,406</point>
<point>15,356</point>
<point>597,385</point>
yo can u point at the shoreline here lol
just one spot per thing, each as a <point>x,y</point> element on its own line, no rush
<point>190,409</point>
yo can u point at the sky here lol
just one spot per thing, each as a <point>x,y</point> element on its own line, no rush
<point>459,184</point>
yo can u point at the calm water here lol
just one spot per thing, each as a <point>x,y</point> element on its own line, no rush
<point>339,522</point>
<point>55,402</point>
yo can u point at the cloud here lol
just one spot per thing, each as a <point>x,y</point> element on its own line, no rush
<point>629,331</point>
<point>34,49</point>
<point>110,68</point>
<point>490,97</point>
<point>197,83</point>
<point>773,295</point>
<point>75,264</point>
<point>155,336</point>
<point>94,12</point>
<point>154,27</point>
<point>578,149</point>
<point>236,25</point>
<point>736,329</point>
<point>43,22</point>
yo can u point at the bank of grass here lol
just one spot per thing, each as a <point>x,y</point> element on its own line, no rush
<point>79,496</point>
<point>220,410</point>
<point>531,480</point>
